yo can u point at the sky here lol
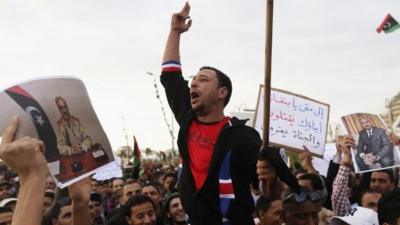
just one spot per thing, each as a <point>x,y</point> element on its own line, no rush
<point>326,50</point>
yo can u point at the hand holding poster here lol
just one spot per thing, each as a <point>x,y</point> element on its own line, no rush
<point>374,150</point>
<point>58,112</point>
<point>295,121</point>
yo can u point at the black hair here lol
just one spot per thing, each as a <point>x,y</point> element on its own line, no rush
<point>366,191</point>
<point>95,197</point>
<point>263,204</point>
<point>170,174</point>
<point>223,81</point>
<point>135,200</point>
<point>154,184</point>
<point>389,207</point>
<point>389,172</point>
<point>58,205</point>
<point>5,209</point>
<point>315,179</point>
<point>168,201</point>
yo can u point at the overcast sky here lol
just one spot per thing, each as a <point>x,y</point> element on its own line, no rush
<point>326,50</point>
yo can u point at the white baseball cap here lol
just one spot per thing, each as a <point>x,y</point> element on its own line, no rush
<point>4,202</point>
<point>357,216</point>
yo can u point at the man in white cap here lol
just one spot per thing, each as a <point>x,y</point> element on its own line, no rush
<point>359,216</point>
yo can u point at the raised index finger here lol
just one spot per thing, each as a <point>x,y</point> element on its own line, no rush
<point>185,10</point>
<point>9,132</point>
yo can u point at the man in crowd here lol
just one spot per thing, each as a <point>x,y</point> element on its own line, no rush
<point>116,193</point>
<point>219,154</point>
<point>174,212</point>
<point>140,210</point>
<point>381,181</point>
<point>269,212</point>
<point>5,190</point>
<point>96,211</point>
<point>303,208</point>
<point>50,183</point>
<point>129,190</point>
<point>169,183</point>
<point>369,199</point>
<point>152,190</point>
<point>389,208</point>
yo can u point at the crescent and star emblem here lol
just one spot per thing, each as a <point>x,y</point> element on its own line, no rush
<point>37,119</point>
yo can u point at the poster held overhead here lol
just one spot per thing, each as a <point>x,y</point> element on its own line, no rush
<point>295,121</point>
<point>374,150</point>
<point>57,110</point>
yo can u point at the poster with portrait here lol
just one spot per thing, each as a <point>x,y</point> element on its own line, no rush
<point>295,121</point>
<point>374,149</point>
<point>58,111</point>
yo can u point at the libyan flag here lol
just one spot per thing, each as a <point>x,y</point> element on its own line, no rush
<point>389,24</point>
<point>40,119</point>
<point>136,153</point>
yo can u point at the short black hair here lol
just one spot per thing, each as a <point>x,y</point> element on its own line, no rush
<point>263,204</point>
<point>137,200</point>
<point>58,205</point>
<point>366,191</point>
<point>5,209</point>
<point>170,174</point>
<point>223,81</point>
<point>154,184</point>
<point>389,207</point>
<point>315,179</point>
<point>389,172</point>
<point>168,201</point>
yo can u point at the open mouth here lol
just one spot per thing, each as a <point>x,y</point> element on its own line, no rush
<point>194,96</point>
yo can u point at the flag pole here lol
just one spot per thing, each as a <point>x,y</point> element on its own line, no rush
<point>267,79</point>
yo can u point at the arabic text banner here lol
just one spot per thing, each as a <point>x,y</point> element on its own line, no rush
<point>295,121</point>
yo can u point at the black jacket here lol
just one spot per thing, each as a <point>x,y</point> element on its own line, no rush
<point>243,144</point>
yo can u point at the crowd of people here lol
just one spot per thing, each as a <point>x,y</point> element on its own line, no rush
<point>226,176</point>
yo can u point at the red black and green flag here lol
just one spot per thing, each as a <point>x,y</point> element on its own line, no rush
<point>39,118</point>
<point>136,153</point>
<point>389,24</point>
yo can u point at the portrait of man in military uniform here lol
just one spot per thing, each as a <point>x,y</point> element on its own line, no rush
<point>71,136</point>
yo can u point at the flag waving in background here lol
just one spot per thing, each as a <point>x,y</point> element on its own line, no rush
<point>388,25</point>
<point>136,157</point>
<point>39,118</point>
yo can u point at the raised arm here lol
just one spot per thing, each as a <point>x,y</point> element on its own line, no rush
<point>80,195</point>
<point>340,200</point>
<point>180,23</point>
<point>25,157</point>
<point>176,88</point>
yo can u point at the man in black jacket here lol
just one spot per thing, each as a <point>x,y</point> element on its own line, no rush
<point>219,154</point>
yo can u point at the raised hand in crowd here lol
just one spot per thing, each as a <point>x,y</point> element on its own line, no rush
<point>25,157</point>
<point>79,193</point>
<point>344,144</point>
<point>305,158</point>
<point>394,139</point>
<point>181,22</point>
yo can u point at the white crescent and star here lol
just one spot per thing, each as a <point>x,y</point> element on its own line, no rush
<point>39,119</point>
<point>387,25</point>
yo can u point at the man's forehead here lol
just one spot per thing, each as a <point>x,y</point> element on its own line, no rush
<point>206,73</point>
<point>377,174</point>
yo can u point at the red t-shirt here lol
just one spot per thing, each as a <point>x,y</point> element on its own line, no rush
<point>201,140</point>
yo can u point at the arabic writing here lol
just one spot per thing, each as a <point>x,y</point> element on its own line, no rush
<point>295,121</point>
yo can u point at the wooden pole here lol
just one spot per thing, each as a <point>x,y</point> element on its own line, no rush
<point>267,78</point>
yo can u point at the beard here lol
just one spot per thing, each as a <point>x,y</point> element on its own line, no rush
<point>199,109</point>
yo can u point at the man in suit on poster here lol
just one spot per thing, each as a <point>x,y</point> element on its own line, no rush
<point>374,149</point>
